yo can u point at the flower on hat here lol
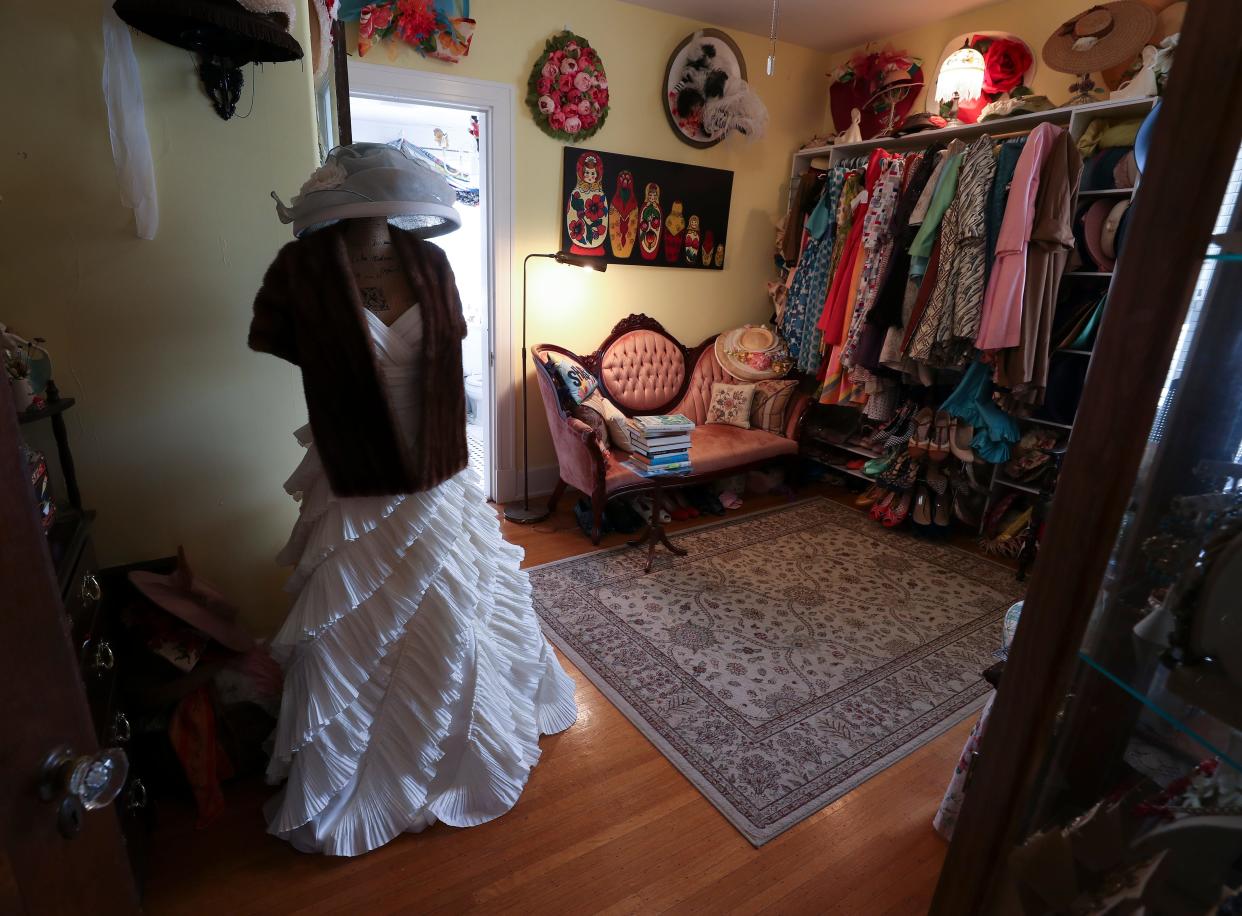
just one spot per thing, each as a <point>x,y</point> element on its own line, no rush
<point>1004,65</point>
<point>416,19</point>
<point>328,176</point>
<point>374,18</point>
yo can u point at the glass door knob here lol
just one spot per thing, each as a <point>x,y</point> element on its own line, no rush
<point>93,779</point>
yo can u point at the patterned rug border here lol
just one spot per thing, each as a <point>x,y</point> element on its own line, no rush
<point>666,559</point>
<point>891,749</point>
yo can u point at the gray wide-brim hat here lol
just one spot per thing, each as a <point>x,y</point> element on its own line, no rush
<point>373,179</point>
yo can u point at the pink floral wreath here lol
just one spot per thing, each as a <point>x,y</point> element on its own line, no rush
<point>568,90</point>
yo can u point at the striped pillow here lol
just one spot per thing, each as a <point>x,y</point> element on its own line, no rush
<point>771,403</point>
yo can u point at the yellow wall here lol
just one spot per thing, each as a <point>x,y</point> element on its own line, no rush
<point>576,308</point>
<point>1031,20</point>
<point>180,434</point>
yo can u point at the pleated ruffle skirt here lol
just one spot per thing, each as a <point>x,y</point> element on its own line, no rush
<point>417,680</point>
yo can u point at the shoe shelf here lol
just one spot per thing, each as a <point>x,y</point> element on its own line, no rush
<point>1188,702</point>
<point>1108,192</point>
<point>1001,480</point>
<point>1035,421</point>
<point>1088,274</point>
<point>819,458</point>
<point>853,448</point>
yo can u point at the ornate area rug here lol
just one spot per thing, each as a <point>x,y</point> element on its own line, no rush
<point>793,654</point>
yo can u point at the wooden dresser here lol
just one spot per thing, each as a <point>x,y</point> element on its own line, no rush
<point>92,620</point>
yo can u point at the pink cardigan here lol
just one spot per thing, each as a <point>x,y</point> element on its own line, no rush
<point>1001,322</point>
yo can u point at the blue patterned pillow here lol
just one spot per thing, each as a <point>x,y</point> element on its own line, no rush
<point>578,382</point>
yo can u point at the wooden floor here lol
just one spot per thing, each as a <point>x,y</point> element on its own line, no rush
<point>606,825</point>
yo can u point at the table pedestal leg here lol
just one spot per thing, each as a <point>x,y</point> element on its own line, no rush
<point>655,534</point>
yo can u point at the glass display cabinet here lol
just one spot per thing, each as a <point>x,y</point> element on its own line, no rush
<point>1109,779</point>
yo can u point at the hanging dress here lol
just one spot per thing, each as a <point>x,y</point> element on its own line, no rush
<point>951,321</point>
<point>811,272</point>
<point>417,680</point>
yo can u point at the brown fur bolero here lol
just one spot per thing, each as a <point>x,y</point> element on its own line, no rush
<point>309,312</point>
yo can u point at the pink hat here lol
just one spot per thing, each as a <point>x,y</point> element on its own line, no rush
<point>1093,230</point>
<point>195,602</point>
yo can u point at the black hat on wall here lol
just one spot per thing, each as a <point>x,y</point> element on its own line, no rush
<point>224,32</point>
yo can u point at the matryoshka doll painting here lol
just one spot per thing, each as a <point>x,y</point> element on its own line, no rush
<point>623,217</point>
<point>692,241</point>
<point>587,214</point>
<point>674,232</point>
<point>650,223</point>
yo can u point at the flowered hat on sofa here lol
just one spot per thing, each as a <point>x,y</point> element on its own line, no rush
<point>753,353</point>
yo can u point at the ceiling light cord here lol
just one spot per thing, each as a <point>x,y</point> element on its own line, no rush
<point>772,54</point>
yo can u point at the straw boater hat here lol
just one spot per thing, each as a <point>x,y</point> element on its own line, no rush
<point>1100,37</point>
<point>753,353</point>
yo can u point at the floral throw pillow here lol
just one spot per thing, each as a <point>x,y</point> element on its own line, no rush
<point>771,403</point>
<point>730,404</point>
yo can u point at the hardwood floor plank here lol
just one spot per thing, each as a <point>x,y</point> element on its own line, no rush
<point>606,825</point>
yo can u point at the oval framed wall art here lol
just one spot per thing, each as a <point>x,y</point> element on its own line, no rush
<point>699,67</point>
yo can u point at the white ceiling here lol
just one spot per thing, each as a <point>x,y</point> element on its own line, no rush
<point>825,25</point>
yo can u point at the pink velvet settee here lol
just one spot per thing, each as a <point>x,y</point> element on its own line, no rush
<point>643,369</point>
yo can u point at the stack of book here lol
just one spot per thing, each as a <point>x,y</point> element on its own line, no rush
<point>661,443</point>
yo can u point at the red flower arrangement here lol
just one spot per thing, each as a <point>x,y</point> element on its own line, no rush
<point>426,25</point>
<point>568,90</point>
<point>1005,63</point>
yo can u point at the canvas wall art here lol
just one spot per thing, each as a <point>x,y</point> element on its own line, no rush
<point>646,212</point>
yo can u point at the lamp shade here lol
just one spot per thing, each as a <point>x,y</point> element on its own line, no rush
<point>961,76</point>
<point>581,260</point>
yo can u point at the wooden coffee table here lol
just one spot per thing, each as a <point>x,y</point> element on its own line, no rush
<point>654,535</point>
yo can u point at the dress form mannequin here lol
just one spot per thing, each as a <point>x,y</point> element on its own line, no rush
<point>377,271</point>
<point>417,679</point>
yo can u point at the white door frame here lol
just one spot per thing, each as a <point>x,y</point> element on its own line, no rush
<point>496,101</point>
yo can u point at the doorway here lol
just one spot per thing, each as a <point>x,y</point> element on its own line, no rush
<point>463,130</point>
<point>447,139</point>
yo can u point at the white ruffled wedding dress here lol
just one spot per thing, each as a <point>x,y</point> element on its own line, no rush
<point>417,680</point>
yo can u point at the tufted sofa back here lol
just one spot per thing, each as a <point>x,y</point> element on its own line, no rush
<point>642,370</point>
<point>699,392</point>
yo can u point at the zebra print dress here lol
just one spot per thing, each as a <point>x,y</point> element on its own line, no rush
<point>947,329</point>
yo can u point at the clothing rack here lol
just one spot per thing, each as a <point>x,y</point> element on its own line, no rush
<point>1076,120</point>
<point>1076,117</point>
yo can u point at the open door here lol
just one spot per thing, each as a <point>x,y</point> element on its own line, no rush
<point>56,856</point>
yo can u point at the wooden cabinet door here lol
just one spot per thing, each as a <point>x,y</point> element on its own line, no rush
<point>42,708</point>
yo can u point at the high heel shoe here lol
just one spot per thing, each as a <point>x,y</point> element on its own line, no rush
<point>877,466</point>
<point>868,496</point>
<point>921,513</point>
<point>880,510</point>
<point>940,446</point>
<point>898,419</point>
<point>943,516</point>
<point>960,436</point>
<point>920,439</point>
<point>898,510</point>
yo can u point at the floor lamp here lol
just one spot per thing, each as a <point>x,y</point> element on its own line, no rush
<point>524,514</point>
